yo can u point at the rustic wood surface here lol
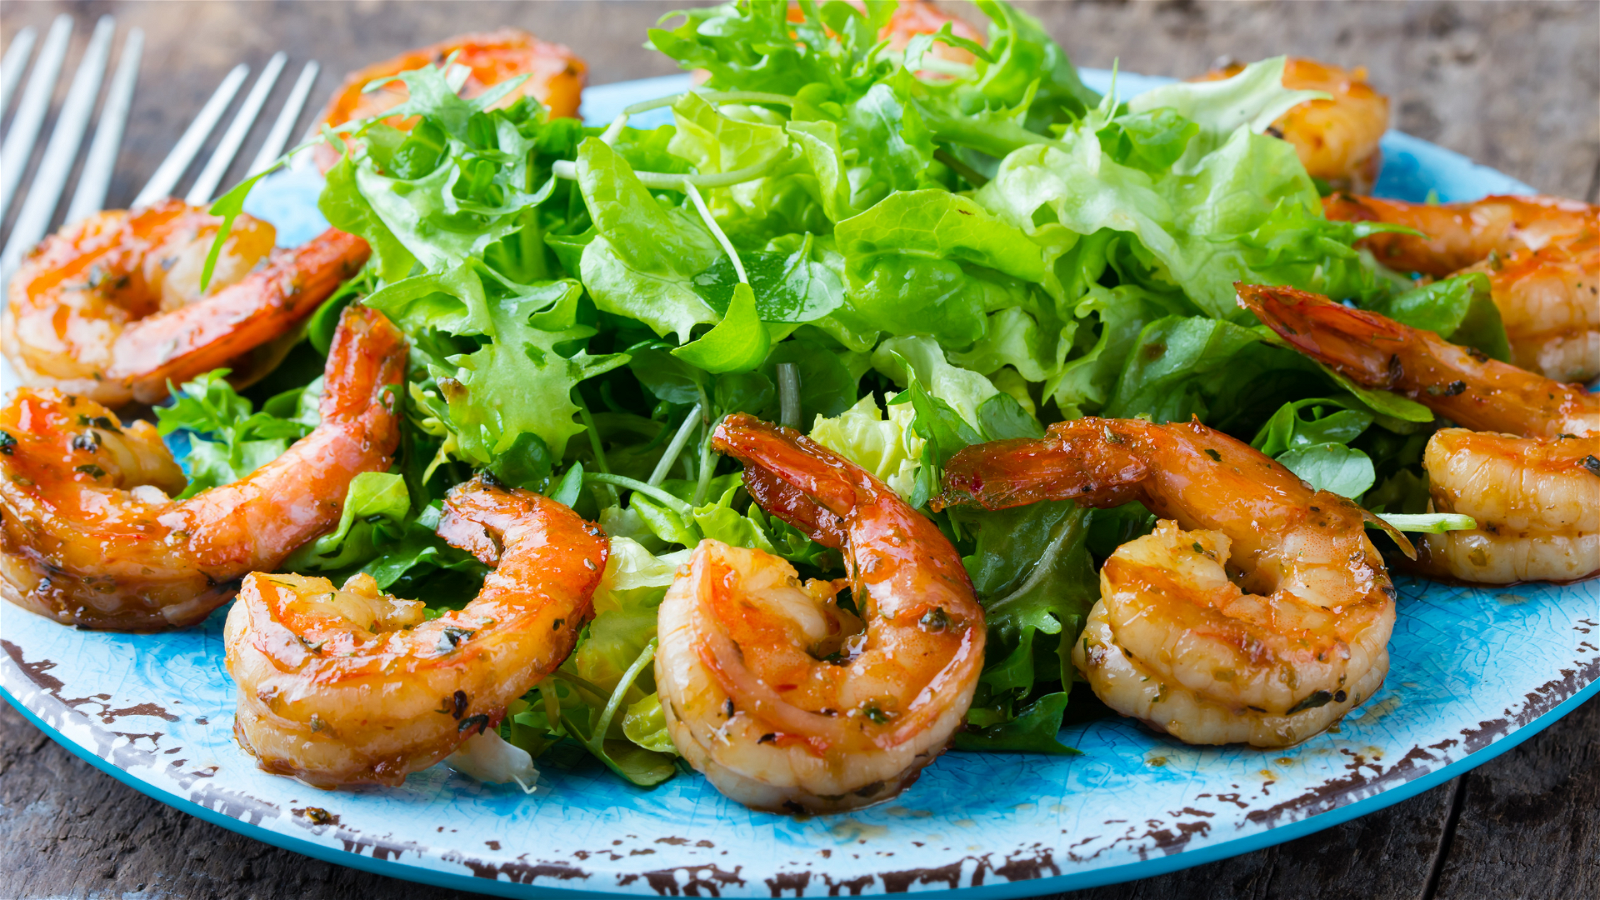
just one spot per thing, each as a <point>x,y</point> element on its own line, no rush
<point>1513,85</point>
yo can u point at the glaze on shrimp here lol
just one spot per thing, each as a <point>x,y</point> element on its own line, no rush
<point>89,536</point>
<point>110,309</point>
<point>1540,254</point>
<point>353,686</point>
<point>1278,653</point>
<point>787,702</point>
<point>1525,462</point>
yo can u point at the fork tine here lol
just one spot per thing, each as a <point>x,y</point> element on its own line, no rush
<point>304,160</point>
<point>11,67</point>
<point>287,117</point>
<point>62,149</point>
<point>172,168</point>
<point>95,179</point>
<point>205,185</point>
<point>35,103</point>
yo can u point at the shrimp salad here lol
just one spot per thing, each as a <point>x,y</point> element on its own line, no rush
<point>902,395</point>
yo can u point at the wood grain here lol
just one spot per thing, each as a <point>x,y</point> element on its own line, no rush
<point>1512,85</point>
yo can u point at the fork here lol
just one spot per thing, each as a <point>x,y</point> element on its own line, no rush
<point>61,152</point>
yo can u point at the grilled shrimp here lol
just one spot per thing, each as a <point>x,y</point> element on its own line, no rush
<point>1541,255</point>
<point>785,701</point>
<point>1525,462</point>
<point>915,17</point>
<point>1301,638</point>
<point>89,537</point>
<point>555,78</point>
<point>1336,139</point>
<point>109,308</point>
<point>353,686</point>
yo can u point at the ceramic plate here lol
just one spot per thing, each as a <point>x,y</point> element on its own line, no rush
<point>1474,672</point>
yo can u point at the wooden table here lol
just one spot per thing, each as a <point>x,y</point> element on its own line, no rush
<point>1512,85</point>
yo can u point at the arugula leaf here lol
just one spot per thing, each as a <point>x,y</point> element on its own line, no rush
<point>1032,730</point>
<point>228,439</point>
<point>1030,567</point>
<point>1458,309</point>
<point>1318,420</point>
<point>1332,467</point>
<point>794,286</point>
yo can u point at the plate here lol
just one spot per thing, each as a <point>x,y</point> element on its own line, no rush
<point>1474,672</point>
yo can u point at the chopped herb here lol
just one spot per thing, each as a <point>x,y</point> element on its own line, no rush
<point>1313,701</point>
<point>451,637</point>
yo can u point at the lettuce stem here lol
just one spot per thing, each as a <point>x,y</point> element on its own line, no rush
<point>594,444</point>
<point>716,231</point>
<point>670,455</point>
<point>649,490</point>
<point>597,739</point>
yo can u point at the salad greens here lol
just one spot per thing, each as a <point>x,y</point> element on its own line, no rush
<point>901,254</point>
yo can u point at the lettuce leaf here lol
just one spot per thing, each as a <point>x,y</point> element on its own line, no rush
<point>227,438</point>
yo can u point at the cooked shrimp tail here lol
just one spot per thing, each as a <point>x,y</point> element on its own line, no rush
<point>1541,256</point>
<point>788,701</point>
<point>91,538</point>
<point>1279,652</point>
<point>1458,383</point>
<point>1523,466</point>
<point>353,686</point>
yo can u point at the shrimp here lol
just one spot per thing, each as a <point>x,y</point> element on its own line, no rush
<point>1301,638</point>
<point>555,78</point>
<point>1541,256</point>
<point>354,687</point>
<point>1336,139</point>
<point>1525,462</point>
<point>89,537</point>
<point>915,17</point>
<point>786,702</point>
<point>109,309</point>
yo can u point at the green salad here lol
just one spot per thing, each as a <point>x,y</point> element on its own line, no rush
<point>897,254</point>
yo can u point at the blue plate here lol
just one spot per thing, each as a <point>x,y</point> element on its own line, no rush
<point>1474,672</point>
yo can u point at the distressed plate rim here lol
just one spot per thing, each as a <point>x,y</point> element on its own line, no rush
<point>1146,868</point>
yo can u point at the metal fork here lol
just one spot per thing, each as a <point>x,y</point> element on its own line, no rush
<point>61,152</point>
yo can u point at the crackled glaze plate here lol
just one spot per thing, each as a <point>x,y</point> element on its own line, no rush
<point>1474,672</point>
